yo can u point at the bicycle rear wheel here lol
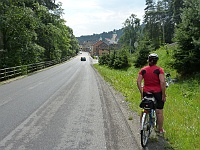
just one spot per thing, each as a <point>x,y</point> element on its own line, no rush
<point>145,129</point>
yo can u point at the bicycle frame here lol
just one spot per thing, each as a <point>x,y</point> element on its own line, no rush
<point>152,117</point>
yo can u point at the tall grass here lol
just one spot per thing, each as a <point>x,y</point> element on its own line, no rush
<point>182,109</point>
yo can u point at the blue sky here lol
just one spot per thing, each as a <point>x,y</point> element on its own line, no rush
<point>87,17</point>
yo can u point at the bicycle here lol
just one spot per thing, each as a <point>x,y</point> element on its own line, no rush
<point>149,119</point>
<point>168,79</point>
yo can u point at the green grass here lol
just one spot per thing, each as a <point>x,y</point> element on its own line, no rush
<point>182,109</point>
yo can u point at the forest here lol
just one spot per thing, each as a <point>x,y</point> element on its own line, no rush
<point>33,31</point>
<point>165,23</point>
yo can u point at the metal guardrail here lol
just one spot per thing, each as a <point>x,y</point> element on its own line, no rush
<point>12,72</point>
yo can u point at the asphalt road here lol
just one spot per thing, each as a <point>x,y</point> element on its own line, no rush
<point>66,107</point>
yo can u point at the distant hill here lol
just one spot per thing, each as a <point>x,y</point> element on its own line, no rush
<point>103,36</point>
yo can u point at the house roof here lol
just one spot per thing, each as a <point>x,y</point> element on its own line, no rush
<point>98,43</point>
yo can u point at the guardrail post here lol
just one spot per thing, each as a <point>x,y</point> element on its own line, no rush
<point>14,71</point>
<point>5,74</point>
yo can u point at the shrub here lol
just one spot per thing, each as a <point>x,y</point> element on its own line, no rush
<point>115,60</point>
<point>121,60</point>
<point>104,59</point>
<point>142,55</point>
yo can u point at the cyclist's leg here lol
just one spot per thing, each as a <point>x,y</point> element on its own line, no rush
<point>160,119</point>
<point>159,110</point>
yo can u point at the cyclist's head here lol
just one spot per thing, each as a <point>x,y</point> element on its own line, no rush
<point>152,59</point>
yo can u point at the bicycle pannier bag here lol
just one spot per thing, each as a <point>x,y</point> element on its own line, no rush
<point>147,103</point>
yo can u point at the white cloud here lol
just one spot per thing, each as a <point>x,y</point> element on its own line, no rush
<point>79,4</point>
<point>86,17</point>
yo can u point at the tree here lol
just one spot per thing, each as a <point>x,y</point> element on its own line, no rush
<point>131,30</point>
<point>142,54</point>
<point>187,36</point>
<point>18,31</point>
<point>177,6</point>
<point>168,22</point>
<point>121,60</point>
<point>159,24</point>
<point>32,31</point>
<point>74,49</point>
<point>152,23</point>
<point>104,59</point>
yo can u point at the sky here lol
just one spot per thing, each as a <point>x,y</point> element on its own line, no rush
<point>88,17</point>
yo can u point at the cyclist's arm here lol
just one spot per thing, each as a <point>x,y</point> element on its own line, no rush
<point>139,84</point>
<point>163,86</point>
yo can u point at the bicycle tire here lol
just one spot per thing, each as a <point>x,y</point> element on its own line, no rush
<point>145,129</point>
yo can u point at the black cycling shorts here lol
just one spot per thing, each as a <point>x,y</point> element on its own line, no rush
<point>159,101</point>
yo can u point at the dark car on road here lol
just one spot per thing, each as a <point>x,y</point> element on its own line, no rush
<point>83,59</point>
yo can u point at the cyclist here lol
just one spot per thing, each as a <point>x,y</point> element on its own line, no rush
<point>154,82</point>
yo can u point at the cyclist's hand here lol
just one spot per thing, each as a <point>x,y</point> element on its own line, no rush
<point>164,97</point>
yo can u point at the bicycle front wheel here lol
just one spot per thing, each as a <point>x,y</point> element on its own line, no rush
<point>145,129</point>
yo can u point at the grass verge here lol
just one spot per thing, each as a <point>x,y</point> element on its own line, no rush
<point>182,109</point>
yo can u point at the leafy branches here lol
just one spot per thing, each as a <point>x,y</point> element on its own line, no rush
<point>187,36</point>
<point>115,60</point>
<point>33,31</point>
<point>132,31</point>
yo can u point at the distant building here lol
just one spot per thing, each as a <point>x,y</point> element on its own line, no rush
<point>100,39</point>
<point>86,46</point>
<point>99,48</point>
<point>113,40</point>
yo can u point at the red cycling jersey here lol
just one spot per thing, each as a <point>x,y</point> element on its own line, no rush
<point>151,78</point>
